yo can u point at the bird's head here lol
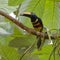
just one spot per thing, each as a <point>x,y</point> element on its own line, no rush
<point>28,14</point>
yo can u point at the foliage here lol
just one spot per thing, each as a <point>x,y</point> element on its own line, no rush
<point>11,46</point>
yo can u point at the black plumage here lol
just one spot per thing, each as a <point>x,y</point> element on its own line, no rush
<point>37,24</point>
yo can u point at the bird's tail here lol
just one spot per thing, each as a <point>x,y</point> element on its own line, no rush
<point>40,43</point>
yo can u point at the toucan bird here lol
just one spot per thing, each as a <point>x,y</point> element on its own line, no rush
<point>37,24</point>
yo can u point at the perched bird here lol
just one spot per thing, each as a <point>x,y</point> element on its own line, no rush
<point>37,24</point>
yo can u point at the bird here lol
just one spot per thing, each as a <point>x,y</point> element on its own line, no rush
<point>37,25</point>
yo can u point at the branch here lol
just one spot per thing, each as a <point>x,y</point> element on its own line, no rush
<point>29,30</point>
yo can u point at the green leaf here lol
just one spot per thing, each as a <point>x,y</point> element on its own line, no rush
<point>37,6</point>
<point>14,2</point>
<point>8,53</point>
<point>23,41</point>
<point>17,31</point>
<point>50,16</point>
<point>48,11</point>
<point>45,52</point>
<point>30,56</point>
<point>55,0</point>
<point>4,6</point>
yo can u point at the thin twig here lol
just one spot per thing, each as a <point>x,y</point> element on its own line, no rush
<point>27,50</point>
<point>53,50</point>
